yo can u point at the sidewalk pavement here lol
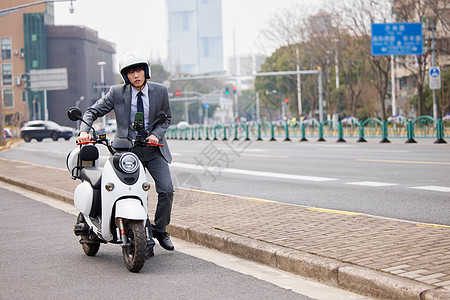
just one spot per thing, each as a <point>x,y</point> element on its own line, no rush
<point>377,257</point>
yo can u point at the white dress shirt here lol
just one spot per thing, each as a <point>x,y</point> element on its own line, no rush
<point>145,100</point>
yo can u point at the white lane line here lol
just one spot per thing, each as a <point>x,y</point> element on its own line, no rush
<point>251,173</point>
<point>362,150</point>
<point>371,183</point>
<point>434,188</point>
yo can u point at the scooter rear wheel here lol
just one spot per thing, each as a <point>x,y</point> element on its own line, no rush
<point>91,248</point>
<point>134,253</point>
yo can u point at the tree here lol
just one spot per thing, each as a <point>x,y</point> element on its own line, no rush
<point>285,28</point>
<point>199,86</point>
<point>159,75</point>
<point>444,100</point>
<point>409,11</point>
<point>440,10</point>
<point>286,86</point>
<point>272,88</point>
<point>247,104</point>
<point>357,16</point>
<point>354,68</point>
<point>323,32</point>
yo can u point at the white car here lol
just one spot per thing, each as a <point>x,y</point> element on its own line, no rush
<point>182,125</point>
<point>7,134</point>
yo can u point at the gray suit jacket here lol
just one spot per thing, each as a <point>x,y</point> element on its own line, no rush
<point>119,99</point>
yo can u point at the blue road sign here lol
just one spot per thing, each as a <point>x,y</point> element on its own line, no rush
<point>206,105</point>
<point>434,72</point>
<point>435,78</point>
<point>397,39</point>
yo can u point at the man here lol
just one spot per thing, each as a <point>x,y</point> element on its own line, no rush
<point>137,94</point>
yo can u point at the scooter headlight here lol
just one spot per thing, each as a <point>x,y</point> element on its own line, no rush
<point>129,163</point>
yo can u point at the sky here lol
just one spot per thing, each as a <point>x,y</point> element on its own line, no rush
<point>142,24</point>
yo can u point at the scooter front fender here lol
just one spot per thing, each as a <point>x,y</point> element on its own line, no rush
<point>131,209</point>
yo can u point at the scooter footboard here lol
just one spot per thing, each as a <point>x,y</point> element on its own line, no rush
<point>131,209</point>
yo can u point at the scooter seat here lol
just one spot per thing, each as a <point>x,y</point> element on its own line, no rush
<point>93,175</point>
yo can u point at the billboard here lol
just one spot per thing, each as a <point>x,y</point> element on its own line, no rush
<point>48,79</point>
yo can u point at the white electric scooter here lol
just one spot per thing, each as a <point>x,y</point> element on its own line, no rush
<point>112,199</point>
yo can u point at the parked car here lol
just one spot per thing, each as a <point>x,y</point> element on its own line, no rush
<point>44,129</point>
<point>111,126</point>
<point>7,134</point>
<point>182,125</point>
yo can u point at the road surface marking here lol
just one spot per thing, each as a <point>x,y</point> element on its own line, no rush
<point>258,200</point>
<point>362,150</point>
<point>251,173</point>
<point>434,188</point>
<point>433,225</point>
<point>404,161</point>
<point>240,197</point>
<point>333,211</point>
<point>265,155</point>
<point>371,183</point>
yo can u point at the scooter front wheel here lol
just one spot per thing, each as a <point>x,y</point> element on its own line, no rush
<point>134,252</point>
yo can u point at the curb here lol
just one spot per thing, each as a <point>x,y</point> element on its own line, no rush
<point>8,144</point>
<point>364,281</point>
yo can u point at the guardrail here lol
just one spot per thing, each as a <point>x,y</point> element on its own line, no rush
<point>410,130</point>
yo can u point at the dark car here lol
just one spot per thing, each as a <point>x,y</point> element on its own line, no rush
<point>44,129</point>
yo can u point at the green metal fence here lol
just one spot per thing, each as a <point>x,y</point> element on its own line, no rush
<point>312,130</point>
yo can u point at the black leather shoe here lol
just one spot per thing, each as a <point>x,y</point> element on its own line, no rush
<point>149,252</point>
<point>164,240</point>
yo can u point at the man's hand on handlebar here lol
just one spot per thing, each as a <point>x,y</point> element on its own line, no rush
<point>84,137</point>
<point>152,139</point>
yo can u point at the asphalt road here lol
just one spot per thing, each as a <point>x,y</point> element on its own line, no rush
<point>42,259</point>
<point>397,180</point>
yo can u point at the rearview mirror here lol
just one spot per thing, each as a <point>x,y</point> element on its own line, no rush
<point>162,117</point>
<point>74,114</point>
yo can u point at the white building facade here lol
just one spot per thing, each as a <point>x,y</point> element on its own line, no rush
<point>195,36</point>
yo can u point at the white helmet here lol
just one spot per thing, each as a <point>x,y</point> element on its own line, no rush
<point>133,59</point>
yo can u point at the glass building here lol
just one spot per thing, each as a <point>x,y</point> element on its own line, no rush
<point>195,36</point>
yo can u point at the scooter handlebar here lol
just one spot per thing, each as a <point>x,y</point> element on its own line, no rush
<point>93,142</point>
<point>155,144</point>
<point>88,142</point>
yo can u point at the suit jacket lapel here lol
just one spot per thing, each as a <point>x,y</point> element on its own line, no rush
<point>127,100</point>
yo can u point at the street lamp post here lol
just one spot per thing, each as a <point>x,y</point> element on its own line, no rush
<point>77,103</point>
<point>432,28</point>
<point>258,111</point>
<point>7,11</point>
<point>102,75</point>
<point>102,64</point>
<point>299,89</point>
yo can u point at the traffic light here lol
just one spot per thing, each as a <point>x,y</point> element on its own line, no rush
<point>227,91</point>
<point>286,101</point>
<point>234,90</point>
